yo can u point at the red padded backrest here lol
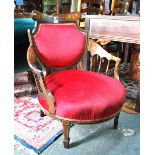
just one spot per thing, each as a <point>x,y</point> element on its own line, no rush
<point>60,45</point>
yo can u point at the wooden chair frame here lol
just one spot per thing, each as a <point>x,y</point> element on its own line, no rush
<point>70,17</point>
<point>43,70</point>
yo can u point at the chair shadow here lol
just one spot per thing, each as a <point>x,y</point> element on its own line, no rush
<point>102,130</point>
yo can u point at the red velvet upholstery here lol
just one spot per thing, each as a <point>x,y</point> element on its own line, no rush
<point>84,95</point>
<point>63,44</point>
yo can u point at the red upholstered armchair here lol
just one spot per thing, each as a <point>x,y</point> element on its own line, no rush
<point>65,91</point>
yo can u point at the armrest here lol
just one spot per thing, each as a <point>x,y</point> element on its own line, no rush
<point>39,78</point>
<point>96,49</point>
<point>31,58</point>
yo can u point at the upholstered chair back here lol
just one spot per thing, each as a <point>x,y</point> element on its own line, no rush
<point>62,46</point>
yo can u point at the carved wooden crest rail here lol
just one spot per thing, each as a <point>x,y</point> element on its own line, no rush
<point>114,28</point>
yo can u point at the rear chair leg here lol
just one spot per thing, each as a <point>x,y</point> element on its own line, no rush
<point>116,121</point>
<point>66,126</point>
<point>42,113</point>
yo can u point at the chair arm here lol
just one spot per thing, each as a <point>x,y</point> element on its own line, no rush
<point>39,78</point>
<point>31,58</point>
<point>95,48</point>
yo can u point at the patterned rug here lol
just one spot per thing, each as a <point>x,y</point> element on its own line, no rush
<point>131,86</point>
<point>24,84</point>
<point>21,78</point>
<point>32,131</point>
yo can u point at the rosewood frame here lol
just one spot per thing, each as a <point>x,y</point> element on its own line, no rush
<point>33,57</point>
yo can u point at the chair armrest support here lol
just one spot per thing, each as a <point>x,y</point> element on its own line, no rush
<point>95,48</point>
<point>31,58</point>
<point>48,95</point>
<point>39,78</point>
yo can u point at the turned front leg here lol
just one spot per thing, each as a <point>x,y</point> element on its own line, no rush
<point>116,121</point>
<point>66,126</point>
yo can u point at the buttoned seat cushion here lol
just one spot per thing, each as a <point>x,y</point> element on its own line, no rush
<point>84,95</point>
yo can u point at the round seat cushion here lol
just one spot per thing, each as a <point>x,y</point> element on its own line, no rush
<point>84,95</point>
